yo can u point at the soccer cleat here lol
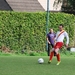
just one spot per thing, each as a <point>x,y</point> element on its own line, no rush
<point>58,63</point>
<point>49,61</point>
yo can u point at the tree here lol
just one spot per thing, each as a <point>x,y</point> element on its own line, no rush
<point>67,5</point>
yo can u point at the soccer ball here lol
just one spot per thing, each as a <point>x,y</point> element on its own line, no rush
<point>40,60</point>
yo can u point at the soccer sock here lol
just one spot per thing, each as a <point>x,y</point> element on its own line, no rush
<point>58,57</point>
<point>51,55</point>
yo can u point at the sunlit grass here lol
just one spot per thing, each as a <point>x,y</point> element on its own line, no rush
<point>28,65</point>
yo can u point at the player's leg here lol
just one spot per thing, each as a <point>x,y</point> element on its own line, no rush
<point>59,45</point>
<point>54,51</point>
<point>48,49</point>
<point>51,55</point>
<point>58,56</point>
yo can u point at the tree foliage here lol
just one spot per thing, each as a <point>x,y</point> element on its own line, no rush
<point>68,5</point>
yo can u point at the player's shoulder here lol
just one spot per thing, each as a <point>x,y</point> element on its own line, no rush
<point>65,33</point>
<point>48,34</point>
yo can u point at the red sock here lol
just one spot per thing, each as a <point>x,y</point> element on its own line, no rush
<point>58,57</point>
<point>51,55</point>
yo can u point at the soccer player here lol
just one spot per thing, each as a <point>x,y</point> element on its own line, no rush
<point>59,43</point>
<point>50,39</point>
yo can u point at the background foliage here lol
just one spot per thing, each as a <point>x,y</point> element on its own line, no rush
<point>27,31</point>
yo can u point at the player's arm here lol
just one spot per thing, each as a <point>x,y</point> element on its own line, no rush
<point>56,36</point>
<point>47,40</point>
<point>67,39</point>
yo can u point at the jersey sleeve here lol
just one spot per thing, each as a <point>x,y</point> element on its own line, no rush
<point>67,37</point>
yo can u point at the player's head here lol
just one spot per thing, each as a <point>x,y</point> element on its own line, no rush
<point>61,27</point>
<point>51,30</point>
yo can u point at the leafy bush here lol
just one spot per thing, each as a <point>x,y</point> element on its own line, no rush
<point>21,30</point>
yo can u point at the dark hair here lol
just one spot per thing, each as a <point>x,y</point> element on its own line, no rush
<point>61,25</point>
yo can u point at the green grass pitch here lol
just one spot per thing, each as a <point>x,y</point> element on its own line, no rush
<point>28,65</point>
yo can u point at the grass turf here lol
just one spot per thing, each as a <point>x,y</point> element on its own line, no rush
<point>28,65</point>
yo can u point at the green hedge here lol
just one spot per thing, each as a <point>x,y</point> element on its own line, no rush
<point>21,30</point>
